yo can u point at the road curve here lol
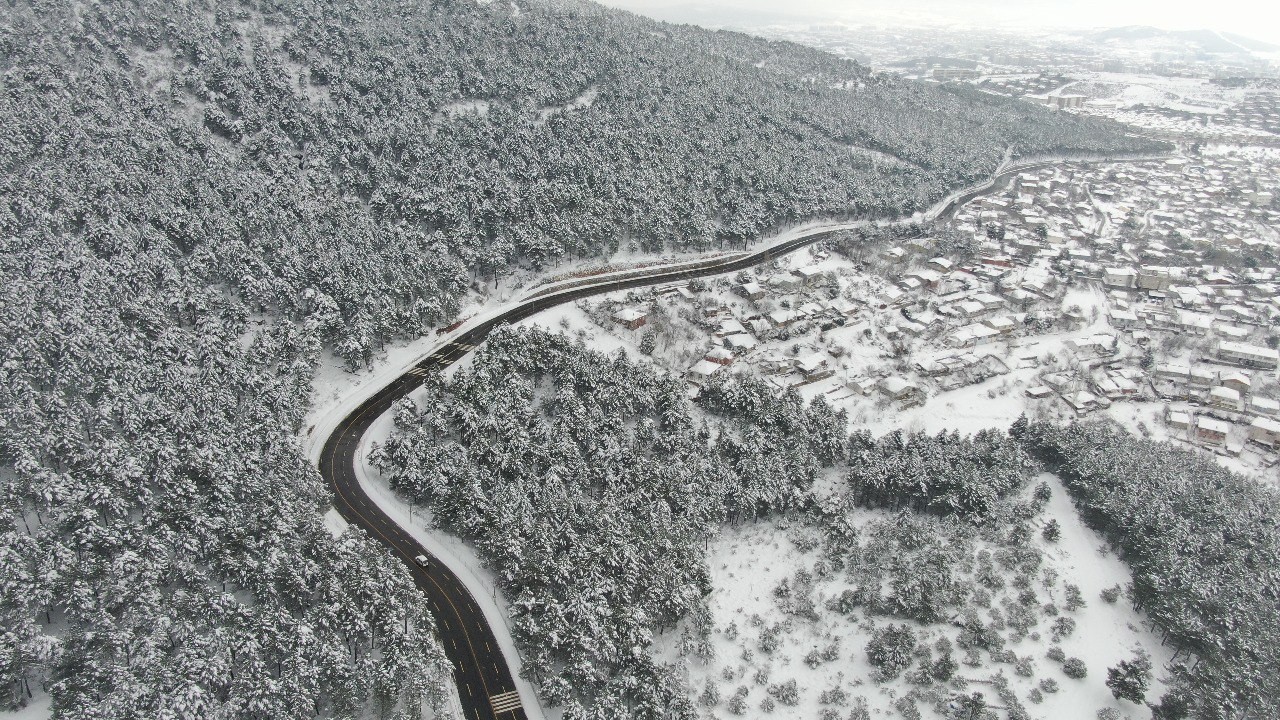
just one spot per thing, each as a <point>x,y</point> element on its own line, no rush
<point>485,684</point>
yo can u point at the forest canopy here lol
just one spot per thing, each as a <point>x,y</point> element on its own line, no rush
<point>198,199</point>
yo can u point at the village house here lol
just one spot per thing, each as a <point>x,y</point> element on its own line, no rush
<point>1173,372</point>
<point>751,290</point>
<point>630,318</point>
<point>940,265</point>
<point>889,296</point>
<point>1236,380</point>
<point>973,335</point>
<point>1263,406</point>
<point>729,326</point>
<point>898,388</point>
<point>862,384</point>
<point>807,274</point>
<point>1248,355</point>
<point>1225,398</point>
<point>1178,420</point>
<point>781,318</point>
<point>926,278</point>
<point>703,370</point>
<point>719,355</point>
<point>813,365</point>
<point>1122,319</point>
<point>1203,377</point>
<point>1120,277</point>
<point>1266,431</point>
<point>784,282</point>
<point>1154,278</point>
<point>1082,401</point>
<point>1212,431</point>
<point>1193,323</point>
<point>1002,324</point>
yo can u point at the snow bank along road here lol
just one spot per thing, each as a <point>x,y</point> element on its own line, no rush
<point>485,684</point>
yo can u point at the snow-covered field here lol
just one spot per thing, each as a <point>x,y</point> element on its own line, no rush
<point>1171,92</point>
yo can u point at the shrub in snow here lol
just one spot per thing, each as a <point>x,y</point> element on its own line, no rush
<point>1129,679</point>
<point>767,704</point>
<point>803,608</point>
<point>1006,657</point>
<point>1043,493</point>
<point>920,675</point>
<point>1035,696</point>
<point>1049,685</point>
<point>1055,654</point>
<point>1111,594</point>
<point>1063,627</point>
<point>710,694</point>
<point>813,659</point>
<point>1051,532</point>
<point>944,668</point>
<point>836,695</point>
<point>889,650</point>
<point>1024,667</point>
<point>783,590</point>
<point>831,652</point>
<point>1075,599</point>
<point>907,708</point>
<point>1074,668</point>
<point>787,693</point>
<point>846,603</point>
<point>770,639</point>
<point>1109,713</point>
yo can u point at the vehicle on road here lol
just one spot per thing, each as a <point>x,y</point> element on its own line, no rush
<point>421,561</point>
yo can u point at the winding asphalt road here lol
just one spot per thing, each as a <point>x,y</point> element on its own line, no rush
<point>485,684</point>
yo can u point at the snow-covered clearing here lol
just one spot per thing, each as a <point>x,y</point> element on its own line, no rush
<point>747,563</point>
<point>466,107</point>
<point>584,100</point>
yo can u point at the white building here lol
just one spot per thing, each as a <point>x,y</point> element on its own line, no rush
<point>1265,431</point>
<point>1248,355</point>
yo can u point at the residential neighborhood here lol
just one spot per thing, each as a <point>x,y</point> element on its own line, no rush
<point>1146,291</point>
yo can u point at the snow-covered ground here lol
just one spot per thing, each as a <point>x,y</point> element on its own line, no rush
<point>748,562</point>
<point>38,709</point>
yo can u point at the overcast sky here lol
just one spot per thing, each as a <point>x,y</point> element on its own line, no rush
<point>1259,19</point>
